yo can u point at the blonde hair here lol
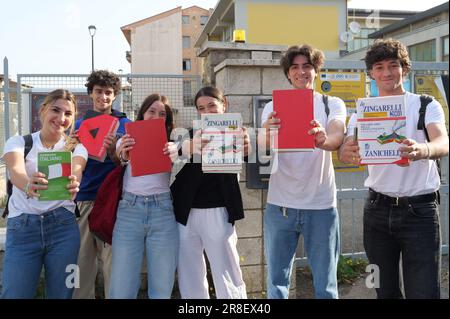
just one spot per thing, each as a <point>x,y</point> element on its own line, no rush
<point>53,96</point>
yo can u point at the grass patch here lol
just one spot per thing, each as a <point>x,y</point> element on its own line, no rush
<point>349,269</point>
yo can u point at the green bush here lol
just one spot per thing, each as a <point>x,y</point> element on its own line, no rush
<point>350,269</point>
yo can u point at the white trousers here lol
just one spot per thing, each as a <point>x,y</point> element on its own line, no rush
<point>208,229</point>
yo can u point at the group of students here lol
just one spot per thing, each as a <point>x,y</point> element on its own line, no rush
<point>175,224</point>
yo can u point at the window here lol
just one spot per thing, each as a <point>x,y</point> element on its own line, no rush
<point>203,20</point>
<point>361,39</point>
<point>186,64</point>
<point>445,49</point>
<point>186,42</point>
<point>425,51</point>
<point>185,19</point>
<point>188,98</point>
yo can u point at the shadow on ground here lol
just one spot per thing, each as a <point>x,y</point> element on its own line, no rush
<point>358,289</point>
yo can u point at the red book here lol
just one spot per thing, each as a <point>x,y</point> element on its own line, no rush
<point>147,155</point>
<point>92,133</point>
<point>295,108</point>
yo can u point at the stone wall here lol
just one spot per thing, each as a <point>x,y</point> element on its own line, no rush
<point>242,72</point>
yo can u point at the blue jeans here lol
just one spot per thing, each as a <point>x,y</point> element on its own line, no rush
<point>409,230</point>
<point>51,240</point>
<point>320,230</point>
<point>144,224</point>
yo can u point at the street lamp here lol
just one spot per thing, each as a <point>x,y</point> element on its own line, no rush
<point>92,30</point>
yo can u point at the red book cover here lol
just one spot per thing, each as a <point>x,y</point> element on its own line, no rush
<point>147,155</point>
<point>295,108</point>
<point>92,133</point>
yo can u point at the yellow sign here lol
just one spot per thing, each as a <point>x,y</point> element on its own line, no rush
<point>434,86</point>
<point>349,86</point>
<point>239,35</point>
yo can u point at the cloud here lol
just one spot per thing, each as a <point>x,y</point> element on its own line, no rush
<point>72,16</point>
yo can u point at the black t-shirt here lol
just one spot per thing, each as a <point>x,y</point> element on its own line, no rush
<point>209,193</point>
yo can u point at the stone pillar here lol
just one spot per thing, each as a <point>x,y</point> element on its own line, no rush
<point>242,71</point>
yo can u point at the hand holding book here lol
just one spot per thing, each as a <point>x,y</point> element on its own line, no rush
<point>171,150</point>
<point>126,145</point>
<point>319,132</point>
<point>36,183</point>
<point>349,151</point>
<point>73,186</point>
<point>413,151</point>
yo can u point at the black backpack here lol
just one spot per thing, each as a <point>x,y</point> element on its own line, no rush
<point>9,186</point>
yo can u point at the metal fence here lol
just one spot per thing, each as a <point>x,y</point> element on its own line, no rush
<point>350,186</point>
<point>181,90</point>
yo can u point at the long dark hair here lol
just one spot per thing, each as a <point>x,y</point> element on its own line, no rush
<point>149,100</point>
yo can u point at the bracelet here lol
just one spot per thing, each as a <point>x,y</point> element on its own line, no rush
<point>122,160</point>
<point>27,189</point>
<point>428,150</point>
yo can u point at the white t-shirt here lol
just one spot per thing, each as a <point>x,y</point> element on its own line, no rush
<point>420,177</point>
<point>305,180</point>
<point>18,202</point>
<point>147,184</point>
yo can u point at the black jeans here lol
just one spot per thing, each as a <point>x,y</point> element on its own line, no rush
<point>408,227</point>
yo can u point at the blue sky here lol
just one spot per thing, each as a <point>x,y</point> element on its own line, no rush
<point>51,36</point>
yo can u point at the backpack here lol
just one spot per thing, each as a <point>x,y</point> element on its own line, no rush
<point>103,215</point>
<point>424,101</point>
<point>9,186</point>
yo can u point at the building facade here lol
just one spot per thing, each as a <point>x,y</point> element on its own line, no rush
<point>163,44</point>
<point>425,34</point>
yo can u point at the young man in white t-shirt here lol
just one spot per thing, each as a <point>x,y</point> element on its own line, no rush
<point>302,190</point>
<point>401,216</point>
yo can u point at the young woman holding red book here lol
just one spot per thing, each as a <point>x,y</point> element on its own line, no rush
<point>145,219</point>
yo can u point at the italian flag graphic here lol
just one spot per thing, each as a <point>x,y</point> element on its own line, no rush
<point>57,167</point>
<point>58,170</point>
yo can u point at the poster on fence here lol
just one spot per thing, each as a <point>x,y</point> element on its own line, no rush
<point>436,86</point>
<point>349,86</point>
<point>84,103</point>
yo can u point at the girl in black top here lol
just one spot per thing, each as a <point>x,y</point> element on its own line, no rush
<point>206,207</point>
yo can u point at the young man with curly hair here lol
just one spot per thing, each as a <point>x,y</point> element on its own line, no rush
<point>103,87</point>
<point>401,213</point>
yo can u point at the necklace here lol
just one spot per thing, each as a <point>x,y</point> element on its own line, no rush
<point>49,146</point>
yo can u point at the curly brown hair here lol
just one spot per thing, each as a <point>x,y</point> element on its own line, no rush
<point>388,49</point>
<point>103,78</point>
<point>314,56</point>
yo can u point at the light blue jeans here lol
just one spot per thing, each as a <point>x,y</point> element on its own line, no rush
<point>52,240</point>
<point>320,230</point>
<point>144,224</point>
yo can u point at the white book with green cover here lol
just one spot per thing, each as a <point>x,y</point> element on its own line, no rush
<point>57,167</point>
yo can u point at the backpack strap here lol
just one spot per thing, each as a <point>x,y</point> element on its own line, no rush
<point>28,144</point>
<point>325,101</point>
<point>9,186</point>
<point>424,101</point>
